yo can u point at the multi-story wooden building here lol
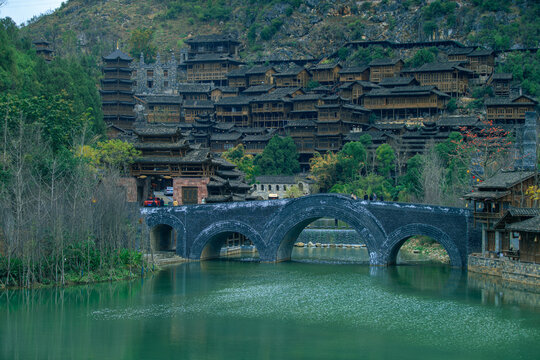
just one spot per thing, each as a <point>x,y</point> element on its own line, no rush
<point>500,83</point>
<point>193,109</point>
<point>405,102</point>
<point>117,90</point>
<point>481,61</point>
<point>210,68</point>
<point>156,78</point>
<point>493,197</point>
<point>446,76</point>
<point>237,78</point>
<point>272,110</point>
<point>260,75</point>
<point>293,77</point>
<point>509,110</point>
<point>350,74</point>
<point>212,44</point>
<point>305,107</point>
<point>353,91</point>
<point>223,91</point>
<point>234,110</point>
<point>43,49</point>
<point>255,142</point>
<point>384,68</point>
<point>258,90</point>
<point>163,108</point>
<point>325,74</point>
<point>225,141</point>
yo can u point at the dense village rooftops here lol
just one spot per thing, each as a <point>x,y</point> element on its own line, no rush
<point>504,101</point>
<point>293,71</point>
<point>211,39</point>
<point>459,120</point>
<point>117,54</point>
<point>234,100</point>
<point>321,89</point>
<point>364,84</point>
<point>163,99</point>
<point>255,130</point>
<point>480,52</point>
<point>356,108</point>
<point>385,62</point>
<point>229,173</point>
<point>233,136</point>
<point>258,89</point>
<point>280,94</point>
<point>515,214</point>
<point>117,69</point>
<point>223,163</point>
<point>440,66</point>
<point>212,58</point>
<point>398,81</point>
<point>198,104</point>
<point>259,70</point>
<point>276,179</point>
<point>505,180</point>
<point>353,70</point>
<point>227,89</point>
<point>194,88</point>
<point>224,126</point>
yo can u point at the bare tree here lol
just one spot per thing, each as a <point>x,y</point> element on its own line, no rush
<point>432,176</point>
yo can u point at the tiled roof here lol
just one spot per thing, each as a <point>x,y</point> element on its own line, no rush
<point>397,81</point>
<point>307,97</point>
<point>502,76</point>
<point>356,108</point>
<point>329,66</point>
<point>233,136</point>
<point>263,137</point>
<point>212,58</point>
<point>384,62</point>
<point>234,100</point>
<point>260,69</point>
<point>149,145</point>
<point>440,66</point>
<point>157,130</point>
<point>459,120</point>
<point>406,90</point>
<point>211,38</point>
<point>460,51</point>
<point>194,88</point>
<point>529,225</point>
<point>510,101</point>
<point>163,99</point>
<point>117,54</point>
<point>293,71</point>
<point>198,104</point>
<point>481,52</point>
<point>353,70</point>
<point>505,179</point>
<point>480,195</point>
<point>294,123</point>
<point>258,89</point>
<point>240,72</point>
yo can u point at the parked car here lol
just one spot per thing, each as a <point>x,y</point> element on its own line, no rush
<point>153,201</point>
<point>169,190</point>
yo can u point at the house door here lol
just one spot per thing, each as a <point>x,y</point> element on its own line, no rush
<point>189,195</point>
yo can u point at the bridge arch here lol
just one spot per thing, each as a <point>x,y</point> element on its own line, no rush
<point>208,243</point>
<point>390,249</point>
<point>287,225</point>
<point>159,222</point>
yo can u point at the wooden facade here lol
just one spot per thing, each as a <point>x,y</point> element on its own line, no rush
<point>210,68</point>
<point>406,102</point>
<point>482,62</point>
<point>510,111</point>
<point>293,77</point>
<point>500,84</point>
<point>447,77</point>
<point>360,73</point>
<point>212,44</point>
<point>260,75</point>
<point>384,68</point>
<point>163,108</point>
<point>325,74</point>
<point>353,91</point>
<point>43,49</point>
<point>235,110</point>
<point>193,109</point>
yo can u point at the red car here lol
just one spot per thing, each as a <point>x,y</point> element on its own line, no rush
<point>153,201</point>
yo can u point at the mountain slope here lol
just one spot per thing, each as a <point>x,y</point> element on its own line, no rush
<point>287,28</point>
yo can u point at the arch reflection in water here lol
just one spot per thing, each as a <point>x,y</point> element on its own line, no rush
<point>229,245</point>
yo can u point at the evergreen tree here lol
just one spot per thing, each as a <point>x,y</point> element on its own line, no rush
<point>279,157</point>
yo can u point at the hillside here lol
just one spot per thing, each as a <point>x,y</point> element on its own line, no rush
<point>287,28</point>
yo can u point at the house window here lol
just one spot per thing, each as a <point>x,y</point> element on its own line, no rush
<point>284,187</point>
<point>262,187</point>
<point>166,84</point>
<point>277,187</point>
<point>150,84</point>
<point>165,73</point>
<point>269,187</point>
<point>149,72</point>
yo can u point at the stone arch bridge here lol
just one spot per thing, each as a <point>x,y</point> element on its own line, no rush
<point>273,226</point>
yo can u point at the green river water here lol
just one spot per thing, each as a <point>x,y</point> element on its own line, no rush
<point>325,305</point>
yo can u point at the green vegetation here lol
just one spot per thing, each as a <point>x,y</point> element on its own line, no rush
<point>63,218</point>
<point>141,41</point>
<point>244,161</point>
<point>422,56</point>
<point>364,56</point>
<point>278,158</point>
<point>525,68</point>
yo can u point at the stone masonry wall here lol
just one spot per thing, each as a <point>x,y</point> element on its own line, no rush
<point>130,186</point>
<point>509,270</point>
<point>199,183</point>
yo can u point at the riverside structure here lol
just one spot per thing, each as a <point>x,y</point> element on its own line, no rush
<point>198,232</point>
